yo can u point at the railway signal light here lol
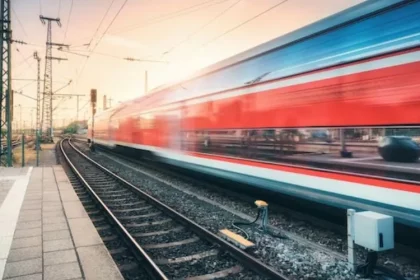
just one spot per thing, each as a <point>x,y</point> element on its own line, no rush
<point>93,95</point>
<point>93,98</point>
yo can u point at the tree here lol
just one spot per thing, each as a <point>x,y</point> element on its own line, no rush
<point>71,128</point>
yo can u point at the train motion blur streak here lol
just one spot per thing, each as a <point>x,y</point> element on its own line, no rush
<point>357,72</point>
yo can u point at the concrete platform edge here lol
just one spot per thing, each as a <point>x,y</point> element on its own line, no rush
<point>92,255</point>
<point>9,213</point>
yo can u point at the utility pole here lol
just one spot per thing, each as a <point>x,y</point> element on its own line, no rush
<point>145,83</point>
<point>20,117</point>
<point>104,103</point>
<point>6,95</point>
<point>32,130</point>
<point>38,95</point>
<point>110,102</point>
<point>47,118</point>
<point>77,111</point>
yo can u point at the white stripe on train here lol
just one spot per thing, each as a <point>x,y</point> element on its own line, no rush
<point>399,198</point>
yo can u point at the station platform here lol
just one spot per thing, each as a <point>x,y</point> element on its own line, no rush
<point>45,233</point>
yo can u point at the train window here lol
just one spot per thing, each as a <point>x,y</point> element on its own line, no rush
<point>317,148</point>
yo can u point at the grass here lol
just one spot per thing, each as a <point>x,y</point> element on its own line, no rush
<point>30,154</point>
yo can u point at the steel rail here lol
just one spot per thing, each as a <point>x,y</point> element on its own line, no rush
<point>152,268</point>
<point>244,258</point>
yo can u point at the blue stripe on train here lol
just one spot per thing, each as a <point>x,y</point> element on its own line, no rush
<point>395,29</point>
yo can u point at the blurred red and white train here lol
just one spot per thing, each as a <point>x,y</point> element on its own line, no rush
<point>356,71</point>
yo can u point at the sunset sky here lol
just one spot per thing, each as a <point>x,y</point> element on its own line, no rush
<point>180,32</point>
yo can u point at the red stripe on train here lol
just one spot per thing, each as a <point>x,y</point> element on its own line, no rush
<point>327,175</point>
<point>388,96</point>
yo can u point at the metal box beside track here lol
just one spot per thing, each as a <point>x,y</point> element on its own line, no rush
<point>374,231</point>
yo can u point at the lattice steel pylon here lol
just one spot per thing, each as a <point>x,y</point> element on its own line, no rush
<point>46,120</point>
<point>6,96</point>
<point>38,94</point>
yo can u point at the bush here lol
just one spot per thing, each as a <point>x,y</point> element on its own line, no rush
<point>71,128</point>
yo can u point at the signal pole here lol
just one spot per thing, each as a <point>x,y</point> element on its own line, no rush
<point>146,80</point>
<point>38,95</point>
<point>6,95</point>
<point>47,100</point>
<point>93,98</point>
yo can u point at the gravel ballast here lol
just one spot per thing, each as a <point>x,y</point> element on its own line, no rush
<point>288,256</point>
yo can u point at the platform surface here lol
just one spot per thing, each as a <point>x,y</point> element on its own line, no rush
<point>45,233</point>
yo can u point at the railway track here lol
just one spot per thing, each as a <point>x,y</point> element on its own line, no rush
<point>14,143</point>
<point>165,242</point>
<point>3,149</point>
<point>405,234</point>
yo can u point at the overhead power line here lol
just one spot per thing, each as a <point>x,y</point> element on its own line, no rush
<point>22,72</point>
<point>28,84</point>
<point>90,42</point>
<point>25,60</point>
<point>162,17</point>
<point>98,53</point>
<point>79,54</point>
<point>100,39</point>
<point>20,92</point>
<point>17,79</point>
<point>25,43</point>
<point>68,20</point>
<point>14,79</point>
<point>202,27</point>
<point>19,42</point>
<point>59,8</point>
<point>111,55</point>
<point>20,23</point>
<point>243,23</point>
<point>109,25</point>
<point>100,23</point>
<point>168,16</point>
<point>143,60</point>
<point>84,105</point>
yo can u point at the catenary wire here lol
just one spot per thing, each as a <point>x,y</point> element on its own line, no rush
<point>106,30</point>
<point>20,23</point>
<point>25,60</point>
<point>243,23</point>
<point>202,27</point>
<point>100,23</point>
<point>168,16</point>
<point>109,25</point>
<point>68,20</point>
<point>59,8</point>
